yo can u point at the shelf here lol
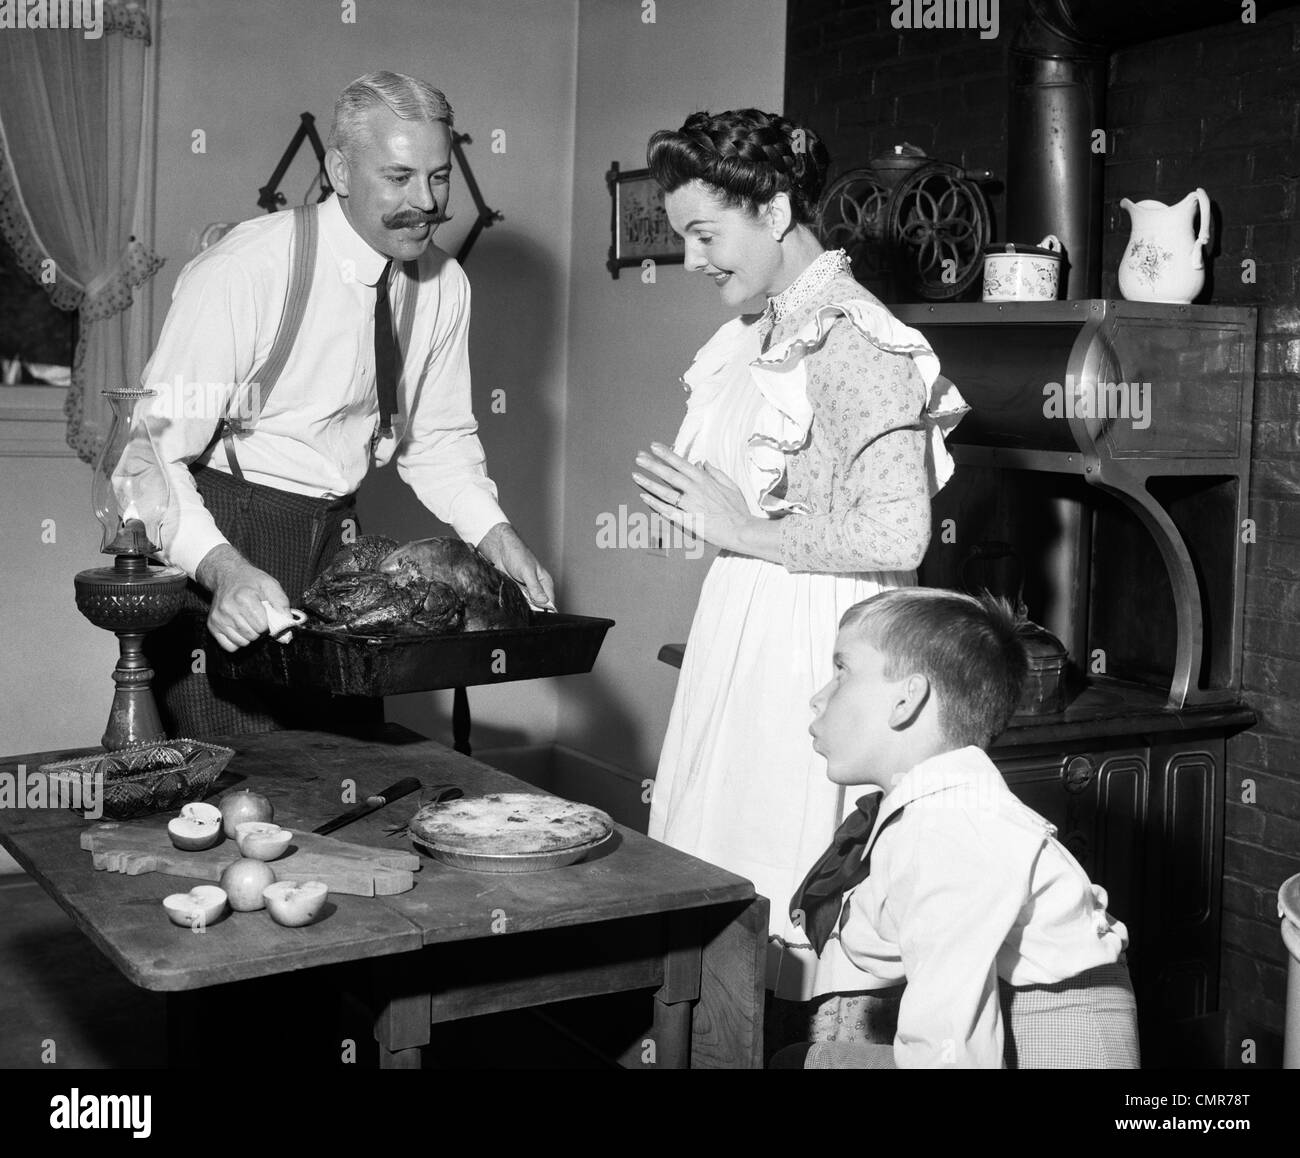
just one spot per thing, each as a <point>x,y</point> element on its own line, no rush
<point>1109,708</point>
<point>1062,313</point>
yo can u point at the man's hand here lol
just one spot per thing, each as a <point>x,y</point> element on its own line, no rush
<point>507,552</point>
<point>238,588</point>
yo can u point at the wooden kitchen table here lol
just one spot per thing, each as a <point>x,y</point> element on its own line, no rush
<point>634,915</point>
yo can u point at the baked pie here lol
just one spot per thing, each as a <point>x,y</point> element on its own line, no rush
<point>509,825</point>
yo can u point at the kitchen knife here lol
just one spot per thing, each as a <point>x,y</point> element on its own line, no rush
<point>372,804</point>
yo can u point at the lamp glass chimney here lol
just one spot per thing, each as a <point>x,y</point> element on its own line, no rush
<point>131,493</point>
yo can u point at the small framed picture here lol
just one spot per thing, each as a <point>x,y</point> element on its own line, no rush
<point>639,222</point>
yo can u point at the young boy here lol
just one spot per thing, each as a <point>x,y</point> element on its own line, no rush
<point>1006,948</point>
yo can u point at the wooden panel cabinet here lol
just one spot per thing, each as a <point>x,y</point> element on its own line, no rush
<point>1142,811</point>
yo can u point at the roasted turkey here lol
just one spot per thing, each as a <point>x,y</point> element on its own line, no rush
<point>426,587</point>
<point>492,599</point>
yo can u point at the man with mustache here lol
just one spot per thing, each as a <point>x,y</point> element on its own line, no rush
<point>377,368</point>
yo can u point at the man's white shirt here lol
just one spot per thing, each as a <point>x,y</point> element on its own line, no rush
<point>314,434</point>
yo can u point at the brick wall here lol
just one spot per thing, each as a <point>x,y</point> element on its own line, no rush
<point>866,87</point>
<point>1221,109</point>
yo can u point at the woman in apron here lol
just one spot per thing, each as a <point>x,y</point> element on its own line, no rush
<point>811,446</point>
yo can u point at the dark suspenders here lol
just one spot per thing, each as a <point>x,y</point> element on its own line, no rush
<point>302,267</point>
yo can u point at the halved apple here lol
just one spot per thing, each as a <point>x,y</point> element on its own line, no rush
<point>202,905</point>
<point>295,903</point>
<point>196,828</point>
<point>261,840</point>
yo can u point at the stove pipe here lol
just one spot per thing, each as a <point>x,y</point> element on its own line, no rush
<point>1054,179</point>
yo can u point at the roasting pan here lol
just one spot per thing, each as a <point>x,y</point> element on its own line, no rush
<point>553,644</point>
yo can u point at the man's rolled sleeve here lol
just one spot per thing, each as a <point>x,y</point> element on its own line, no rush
<point>189,550</point>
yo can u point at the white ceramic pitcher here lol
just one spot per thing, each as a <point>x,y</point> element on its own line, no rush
<point>1165,258</point>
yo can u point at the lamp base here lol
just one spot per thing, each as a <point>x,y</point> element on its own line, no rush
<point>133,717</point>
<point>130,599</point>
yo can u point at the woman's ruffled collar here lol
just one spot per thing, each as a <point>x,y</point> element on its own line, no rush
<point>823,270</point>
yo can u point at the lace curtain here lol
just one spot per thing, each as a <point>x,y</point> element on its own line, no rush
<point>74,113</point>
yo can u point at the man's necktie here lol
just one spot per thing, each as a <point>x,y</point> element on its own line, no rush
<point>386,356</point>
<point>820,899</point>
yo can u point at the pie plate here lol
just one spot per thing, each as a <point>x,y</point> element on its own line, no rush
<point>481,833</point>
<point>514,862</point>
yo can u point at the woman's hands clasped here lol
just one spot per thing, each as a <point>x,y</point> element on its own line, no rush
<point>702,500</point>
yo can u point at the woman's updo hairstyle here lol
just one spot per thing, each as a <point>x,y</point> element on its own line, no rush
<point>747,156</point>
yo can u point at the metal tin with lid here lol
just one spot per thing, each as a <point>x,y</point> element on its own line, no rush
<point>1023,273</point>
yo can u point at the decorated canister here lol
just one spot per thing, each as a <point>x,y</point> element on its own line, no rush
<point>1023,273</point>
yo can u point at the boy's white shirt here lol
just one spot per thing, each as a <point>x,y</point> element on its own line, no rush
<point>967,886</point>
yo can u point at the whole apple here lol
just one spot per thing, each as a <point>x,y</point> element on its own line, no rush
<point>244,881</point>
<point>243,805</point>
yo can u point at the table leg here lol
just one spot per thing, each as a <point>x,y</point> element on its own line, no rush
<point>672,1036</point>
<point>727,1029</point>
<point>404,1018</point>
<point>460,721</point>
<point>671,1031</point>
<point>401,1059</point>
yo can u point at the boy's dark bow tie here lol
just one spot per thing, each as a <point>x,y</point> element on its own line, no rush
<point>819,900</point>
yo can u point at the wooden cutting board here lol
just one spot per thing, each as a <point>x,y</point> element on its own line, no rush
<point>355,869</point>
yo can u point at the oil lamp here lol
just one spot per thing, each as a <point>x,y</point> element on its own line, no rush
<point>132,499</point>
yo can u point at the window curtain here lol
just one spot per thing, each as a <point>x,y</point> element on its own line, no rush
<point>76,132</point>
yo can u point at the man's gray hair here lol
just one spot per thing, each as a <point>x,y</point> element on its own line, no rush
<point>407,97</point>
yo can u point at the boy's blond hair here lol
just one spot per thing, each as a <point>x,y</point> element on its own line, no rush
<point>969,648</point>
